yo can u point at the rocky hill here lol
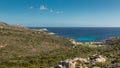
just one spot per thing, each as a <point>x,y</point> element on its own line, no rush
<point>3,25</point>
<point>14,27</point>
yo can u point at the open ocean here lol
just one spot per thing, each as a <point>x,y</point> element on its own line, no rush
<point>85,34</point>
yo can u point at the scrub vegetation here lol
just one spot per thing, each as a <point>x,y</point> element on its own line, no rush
<point>26,48</point>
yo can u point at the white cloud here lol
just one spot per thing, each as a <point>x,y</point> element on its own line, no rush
<point>31,7</point>
<point>42,7</point>
<point>51,11</point>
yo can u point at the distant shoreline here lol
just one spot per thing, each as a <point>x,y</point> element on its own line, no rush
<point>73,27</point>
<point>84,34</point>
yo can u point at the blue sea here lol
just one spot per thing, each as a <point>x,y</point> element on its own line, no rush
<point>85,34</point>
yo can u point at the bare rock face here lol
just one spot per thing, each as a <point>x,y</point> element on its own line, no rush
<point>81,62</point>
<point>71,64</point>
<point>66,65</point>
<point>97,58</point>
<point>100,59</point>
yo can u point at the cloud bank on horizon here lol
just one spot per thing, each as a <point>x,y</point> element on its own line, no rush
<point>61,13</point>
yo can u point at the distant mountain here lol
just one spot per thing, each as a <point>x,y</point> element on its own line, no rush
<point>3,25</point>
<point>7,26</point>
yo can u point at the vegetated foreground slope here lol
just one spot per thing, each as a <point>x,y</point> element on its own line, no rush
<point>21,47</point>
<point>16,43</point>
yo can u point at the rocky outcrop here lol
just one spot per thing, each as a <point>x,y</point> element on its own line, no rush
<point>74,42</point>
<point>72,63</point>
<point>97,58</point>
<point>81,62</point>
<point>95,44</point>
<point>43,29</point>
<point>100,59</point>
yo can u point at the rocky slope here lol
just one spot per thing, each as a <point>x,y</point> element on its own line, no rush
<point>81,62</point>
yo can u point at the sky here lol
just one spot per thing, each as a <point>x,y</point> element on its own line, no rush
<point>61,13</point>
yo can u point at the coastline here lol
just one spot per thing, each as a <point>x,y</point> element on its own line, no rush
<point>84,34</point>
<point>73,41</point>
<point>38,47</point>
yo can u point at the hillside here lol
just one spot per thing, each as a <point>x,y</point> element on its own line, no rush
<point>16,43</point>
<point>13,27</point>
<point>21,43</point>
<point>28,48</point>
<point>3,25</point>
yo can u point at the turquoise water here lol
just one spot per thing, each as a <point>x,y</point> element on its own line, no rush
<point>85,34</point>
<point>92,38</point>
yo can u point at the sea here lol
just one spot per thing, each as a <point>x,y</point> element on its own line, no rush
<point>84,34</point>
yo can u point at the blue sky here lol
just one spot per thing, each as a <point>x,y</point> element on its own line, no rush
<point>61,13</point>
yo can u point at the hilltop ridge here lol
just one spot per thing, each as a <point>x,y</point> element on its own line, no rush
<point>3,25</point>
<point>15,27</point>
